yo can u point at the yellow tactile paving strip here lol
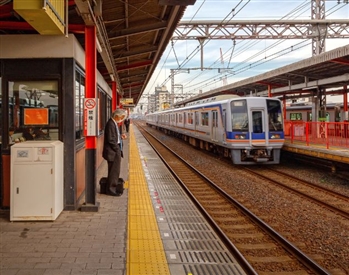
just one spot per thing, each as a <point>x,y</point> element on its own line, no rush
<point>145,252</point>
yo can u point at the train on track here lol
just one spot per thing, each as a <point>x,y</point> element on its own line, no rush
<point>248,130</point>
<point>303,112</point>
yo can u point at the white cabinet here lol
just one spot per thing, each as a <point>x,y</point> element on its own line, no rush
<point>36,180</point>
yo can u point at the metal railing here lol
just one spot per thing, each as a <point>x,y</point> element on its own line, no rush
<point>328,134</point>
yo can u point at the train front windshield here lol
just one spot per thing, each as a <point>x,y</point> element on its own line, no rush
<point>274,115</point>
<point>239,118</point>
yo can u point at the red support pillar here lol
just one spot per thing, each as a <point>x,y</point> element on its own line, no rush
<point>91,76</point>
<point>345,110</point>
<point>269,91</point>
<point>284,106</point>
<point>345,99</point>
<point>91,141</point>
<point>114,95</point>
<point>118,97</point>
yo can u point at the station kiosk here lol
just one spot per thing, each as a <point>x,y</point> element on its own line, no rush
<point>36,180</point>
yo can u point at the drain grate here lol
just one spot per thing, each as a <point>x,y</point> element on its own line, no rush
<point>193,235</point>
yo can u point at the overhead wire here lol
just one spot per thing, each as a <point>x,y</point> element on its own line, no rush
<point>344,2</point>
<point>302,6</point>
<point>260,61</point>
<point>232,12</point>
<point>250,44</point>
<point>172,49</point>
<point>245,45</point>
<point>206,41</point>
<point>257,54</point>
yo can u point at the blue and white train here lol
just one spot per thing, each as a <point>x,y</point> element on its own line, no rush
<point>249,130</point>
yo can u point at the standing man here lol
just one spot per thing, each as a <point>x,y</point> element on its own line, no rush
<point>127,124</point>
<point>112,149</point>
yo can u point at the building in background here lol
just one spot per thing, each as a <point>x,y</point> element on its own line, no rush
<point>160,100</point>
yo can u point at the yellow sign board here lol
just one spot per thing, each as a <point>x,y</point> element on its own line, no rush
<point>126,101</point>
<point>47,18</point>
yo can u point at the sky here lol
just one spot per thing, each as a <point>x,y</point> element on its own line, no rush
<point>246,58</point>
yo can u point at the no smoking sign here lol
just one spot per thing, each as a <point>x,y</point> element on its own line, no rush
<point>90,103</point>
<point>90,117</point>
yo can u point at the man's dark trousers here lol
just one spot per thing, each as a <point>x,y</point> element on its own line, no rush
<point>114,171</point>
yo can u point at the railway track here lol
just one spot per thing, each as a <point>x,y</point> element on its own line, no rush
<point>258,248</point>
<point>322,196</point>
<point>337,168</point>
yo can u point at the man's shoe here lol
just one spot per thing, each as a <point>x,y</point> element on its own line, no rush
<point>111,193</point>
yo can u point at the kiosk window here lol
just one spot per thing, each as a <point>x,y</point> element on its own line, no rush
<point>33,110</point>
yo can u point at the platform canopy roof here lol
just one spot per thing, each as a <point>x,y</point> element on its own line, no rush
<point>132,34</point>
<point>327,72</point>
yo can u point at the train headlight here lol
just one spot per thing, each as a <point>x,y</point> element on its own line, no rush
<point>240,136</point>
<point>275,136</point>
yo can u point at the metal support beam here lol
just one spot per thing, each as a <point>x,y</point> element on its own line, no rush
<point>319,31</point>
<point>257,29</point>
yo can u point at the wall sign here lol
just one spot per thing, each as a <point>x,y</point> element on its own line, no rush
<point>90,117</point>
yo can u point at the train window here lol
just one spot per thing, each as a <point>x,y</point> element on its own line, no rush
<point>239,118</point>
<point>33,110</point>
<point>326,118</point>
<point>204,119</point>
<point>214,119</point>
<point>274,115</point>
<point>180,118</point>
<point>190,118</point>
<point>79,104</point>
<point>295,116</point>
<point>257,122</point>
<point>337,113</point>
<point>108,109</point>
<point>103,112</point>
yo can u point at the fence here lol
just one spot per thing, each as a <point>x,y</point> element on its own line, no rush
<point>324,133</point>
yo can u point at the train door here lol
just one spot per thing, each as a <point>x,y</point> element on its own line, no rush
<point>184,119</point>
<point>214,126</point>
<point>224,127</point>
<point>258,126</point>
<point>196,123</point>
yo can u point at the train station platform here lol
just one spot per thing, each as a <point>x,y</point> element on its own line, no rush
<point>335,153</point>
<point>153,228</point>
